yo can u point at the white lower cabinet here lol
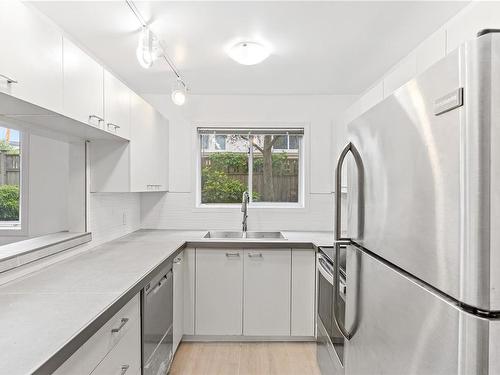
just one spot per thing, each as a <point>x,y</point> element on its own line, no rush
<point>219,300</point>
<point>189,289</point>
<point>251,292</point>
<point>266,292</point>
<point>303,302</point>
<point>117,343</point>
<point>178,329</point>
<point>125,357</point>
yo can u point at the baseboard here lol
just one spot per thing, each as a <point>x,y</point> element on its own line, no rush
<point>240,338</point>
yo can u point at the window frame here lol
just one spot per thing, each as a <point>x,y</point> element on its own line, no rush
<point>20,229</point>
<point>300,204</point>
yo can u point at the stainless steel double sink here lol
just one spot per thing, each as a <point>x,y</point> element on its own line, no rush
<point>245,235</point>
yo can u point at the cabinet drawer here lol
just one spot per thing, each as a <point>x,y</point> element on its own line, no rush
<point>125,357</point>
<point>90,354</point>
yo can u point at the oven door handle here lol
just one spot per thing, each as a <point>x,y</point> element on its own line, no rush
<point>323,269</point>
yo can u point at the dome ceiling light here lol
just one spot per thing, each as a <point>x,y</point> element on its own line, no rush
<point>248,53</point>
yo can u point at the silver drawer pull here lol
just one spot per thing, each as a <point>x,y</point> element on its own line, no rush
<point>98,118</point>
<point>255,255</point>
<point>124,369</point>
<point>113,125</point>
<point>177,260</point>
<point>122,324</point>
<point>9,80</point>
<point>233,255</point>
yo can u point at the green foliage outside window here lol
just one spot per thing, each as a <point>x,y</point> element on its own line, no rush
<point>9,203</point>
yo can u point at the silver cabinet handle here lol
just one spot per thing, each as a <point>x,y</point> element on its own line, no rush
<point>233,255</point>
<point>110,124</point>
<point>255,255</point>
<point>177,260</point>
<point>124,369</point>
<point>9,80</point>
<point>98,118</point>
<point>122,324</point>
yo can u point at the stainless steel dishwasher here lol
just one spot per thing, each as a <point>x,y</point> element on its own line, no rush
<point>157,323</point>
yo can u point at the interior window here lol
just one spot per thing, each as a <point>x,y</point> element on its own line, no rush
<point>265,165</point>
<point>10,177</point>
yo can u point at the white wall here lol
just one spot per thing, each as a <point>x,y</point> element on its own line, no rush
<point>319,116</point>
<point>460,28</point>
<point>48,190</point>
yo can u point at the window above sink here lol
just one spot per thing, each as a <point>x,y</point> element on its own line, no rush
<point>265,162</point>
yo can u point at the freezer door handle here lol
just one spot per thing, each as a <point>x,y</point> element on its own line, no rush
<point>338,240</point>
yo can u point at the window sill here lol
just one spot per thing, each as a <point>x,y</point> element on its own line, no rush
<point>20,253</point>
<point>230,206</point>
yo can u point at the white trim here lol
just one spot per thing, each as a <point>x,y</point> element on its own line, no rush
<point>21,229</point>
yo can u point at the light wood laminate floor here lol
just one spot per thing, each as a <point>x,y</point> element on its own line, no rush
<point>245,359</point>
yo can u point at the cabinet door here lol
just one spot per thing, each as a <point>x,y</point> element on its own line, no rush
<point>267,292</point>
<point>116,105</point>
<point>178,328</point>
<point>160,161</point>
<point>189,290</point>
<point>83,86</point>
<point>142,138</point>
<point>219,277</point>
<point>303,292</point>
<point>31,55</point>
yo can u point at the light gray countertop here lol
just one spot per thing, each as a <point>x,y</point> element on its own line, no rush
<point>42,313</point>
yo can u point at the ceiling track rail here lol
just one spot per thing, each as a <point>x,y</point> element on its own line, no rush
<point>167,59</point>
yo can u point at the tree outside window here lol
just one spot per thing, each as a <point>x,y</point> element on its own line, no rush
<point>274,167</point>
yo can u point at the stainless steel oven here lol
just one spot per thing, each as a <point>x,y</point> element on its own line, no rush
<point>329,338</point>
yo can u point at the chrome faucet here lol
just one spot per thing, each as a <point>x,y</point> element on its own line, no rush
<point>244,208</point>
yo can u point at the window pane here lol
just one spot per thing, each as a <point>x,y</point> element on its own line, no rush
<point>10,176</point>
<point>280,142</point>
<point>275,176</point>
<point>224,171</point>
<point>220,142</point>
<point>205,138</point>
<point>293,142</point>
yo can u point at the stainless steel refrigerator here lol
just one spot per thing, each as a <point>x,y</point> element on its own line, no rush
<point>423,243</point>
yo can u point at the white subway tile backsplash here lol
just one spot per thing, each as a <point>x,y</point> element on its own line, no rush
<point>113,215</point>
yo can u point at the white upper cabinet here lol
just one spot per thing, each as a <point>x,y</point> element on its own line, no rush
<point>83,86</point>
<point>149,157</point>
<point>31,59</point>
<point>116,105</point>
<point>140,165</point>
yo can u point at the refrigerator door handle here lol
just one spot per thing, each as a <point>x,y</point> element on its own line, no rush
<point>338,240</point>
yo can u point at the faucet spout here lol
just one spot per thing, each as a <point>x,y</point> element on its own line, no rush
<point>244,208</point>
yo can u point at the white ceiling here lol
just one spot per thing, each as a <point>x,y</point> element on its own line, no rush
<point>318,47</point>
